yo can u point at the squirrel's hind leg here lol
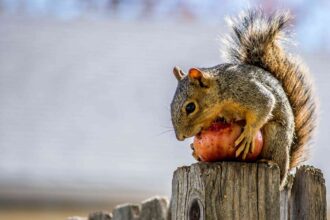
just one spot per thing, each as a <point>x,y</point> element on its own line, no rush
<point>277,140</point>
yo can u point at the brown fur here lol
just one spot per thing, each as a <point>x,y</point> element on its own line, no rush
<point>256,40</point>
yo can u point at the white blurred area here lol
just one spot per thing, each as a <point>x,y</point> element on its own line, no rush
<point>84,99</point>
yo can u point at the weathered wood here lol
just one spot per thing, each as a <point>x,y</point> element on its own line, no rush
<point>154,209</point>
<point>231,190</point>
<point>126,212</point>
<point>284,199</point>
<point>226,190</point>
<point>100,216</point>
<point>308,195</point>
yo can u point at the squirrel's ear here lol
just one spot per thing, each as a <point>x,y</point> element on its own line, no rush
<point>196,74</point>
<point>178,73</point>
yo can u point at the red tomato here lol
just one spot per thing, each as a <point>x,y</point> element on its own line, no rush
<point>217,143</point>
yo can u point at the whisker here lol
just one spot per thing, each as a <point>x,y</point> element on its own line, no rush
<point>164,132</point>
<point>167,127</point>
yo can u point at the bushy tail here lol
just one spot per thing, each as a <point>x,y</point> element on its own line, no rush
<point>255,40</point>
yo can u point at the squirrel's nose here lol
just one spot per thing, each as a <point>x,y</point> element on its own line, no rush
<point>180,137</point>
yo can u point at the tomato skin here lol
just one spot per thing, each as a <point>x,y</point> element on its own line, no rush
<point>217,143</point>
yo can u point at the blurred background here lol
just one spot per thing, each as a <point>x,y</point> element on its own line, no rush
<point>85,88</point>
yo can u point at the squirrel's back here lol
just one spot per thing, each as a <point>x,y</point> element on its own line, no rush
<point>255,40</point>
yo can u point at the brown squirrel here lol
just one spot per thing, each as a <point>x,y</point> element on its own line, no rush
<point>262,84</point>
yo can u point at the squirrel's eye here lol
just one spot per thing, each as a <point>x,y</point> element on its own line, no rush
<point>190,107</point>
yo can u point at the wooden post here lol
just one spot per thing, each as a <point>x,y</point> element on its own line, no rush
<point>154,209</point>
<point>284,199</point>
<point>308,195</point>
<point>126,212</point>
<point>100,216</point>
<point>231,190</point>
<point>226,190</point>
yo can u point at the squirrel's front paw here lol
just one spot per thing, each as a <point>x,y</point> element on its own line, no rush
<point>245,142</point>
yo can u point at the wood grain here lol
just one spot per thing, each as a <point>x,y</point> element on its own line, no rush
<point>232,190</point>
<point>226,190</point>
<point>308,195</point>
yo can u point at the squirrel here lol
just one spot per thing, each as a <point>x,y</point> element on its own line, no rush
<point>261,83</point>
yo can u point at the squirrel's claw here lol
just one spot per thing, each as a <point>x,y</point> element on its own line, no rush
<point>241,148</point>
<point>253,146</point>
<point>247,149</point>
<point>246,143</point>
<point>244,148</point>
<point>194,153</point>
<point>240,139</point>
<point>195,156</point>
